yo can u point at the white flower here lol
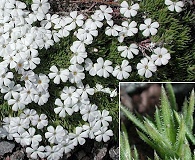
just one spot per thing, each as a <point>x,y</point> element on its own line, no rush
<point>87,31</point>
<point>98,88</point>
<point>112,29</point>
<point>33,138</point>
<point>20,66</point>
<point>42,6</point>
<point>35,152</point>
<point>79,136</point>
<point>161,56</point>
<point>103,134</point>
<point>22,137</point>
<point>177,6</point>
<point>4,47</point>
<point>149,27</point>
<point>40,122</point>
<point>29,77</point>
<point>18,9</point>
<point>114,93</point>
<point>17,102</point>
<point>80,44</point>
<point>146,68</point>
<point>53,153</point>
<point>84,91</point>
<point>6,121</point>
<point>122,34</point>
<point>81,103</point>
<point>3,132</point>
<point>10,90</point>
<point>122,72</point>
<point>28,114</point>
<point>74,20</point>
<point>66,145</point>
<point>50,19</point>
<point>106,90</point>
<point>78,56</point>
<point>32,60</point>
<point>63,108</point>
<point>89,112</point>
<point>103,118</point>
<point>42,82</point>
<point>128,51</point>
<point>55,135</point>
<point>76,73</point>
<point>130,28</point>
<point>41,97</point>
<point>56,35</point>
<point>89,66</point>
<point>70,95</point>
<point>9,133</point>
<point>62,75</point>
<point>19,125</point>
<point>28,92</point>
<point>129,11</point>
<point>104,12</point>
<point>5,77</point>
<point>103,67</point>
<point>95,21</point>
<point>92,128</point>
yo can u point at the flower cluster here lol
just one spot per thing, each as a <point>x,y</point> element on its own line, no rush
<point>24,32</point>
<point>20,42</point>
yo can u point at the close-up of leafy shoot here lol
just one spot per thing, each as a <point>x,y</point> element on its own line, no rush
<point>170,134</point>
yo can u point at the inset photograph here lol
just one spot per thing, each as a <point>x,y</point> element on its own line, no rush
<point>157,121</point>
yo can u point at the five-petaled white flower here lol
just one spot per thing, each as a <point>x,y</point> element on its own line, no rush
<point>76,73</point>
<point>17,102</point>
<point>113,29</point>
<point>177,6</point>
<point>55,135</point>
<point>128,51</point>
<point>10,90</point>
<point>146,67</point>
<point>103,118</point>
<point>130,28</point>
<point>41,6</point>
<point>149,27</point>
<point>58,75</point>
<point>129,11</point>
<point>122,72</point>
<point>70,95</point>
<point>103,134</point>
<point>79,136</point>
<point>89,112</point>
<point>103,67</point>
<point>63,108</point>
<point>39,121</point>
<point>35,151</point>
<point>104,12</point>
<point>161,56</point>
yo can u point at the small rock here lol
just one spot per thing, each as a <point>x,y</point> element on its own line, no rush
<point>101,154</point>
<point>114,153</point>
<point>6,147</point>
<point>18,155</point>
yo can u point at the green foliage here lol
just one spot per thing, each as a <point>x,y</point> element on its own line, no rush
<point>125,148</point>
<point>171,132</point>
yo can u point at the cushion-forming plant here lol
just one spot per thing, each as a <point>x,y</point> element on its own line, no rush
<point>25,33</point>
